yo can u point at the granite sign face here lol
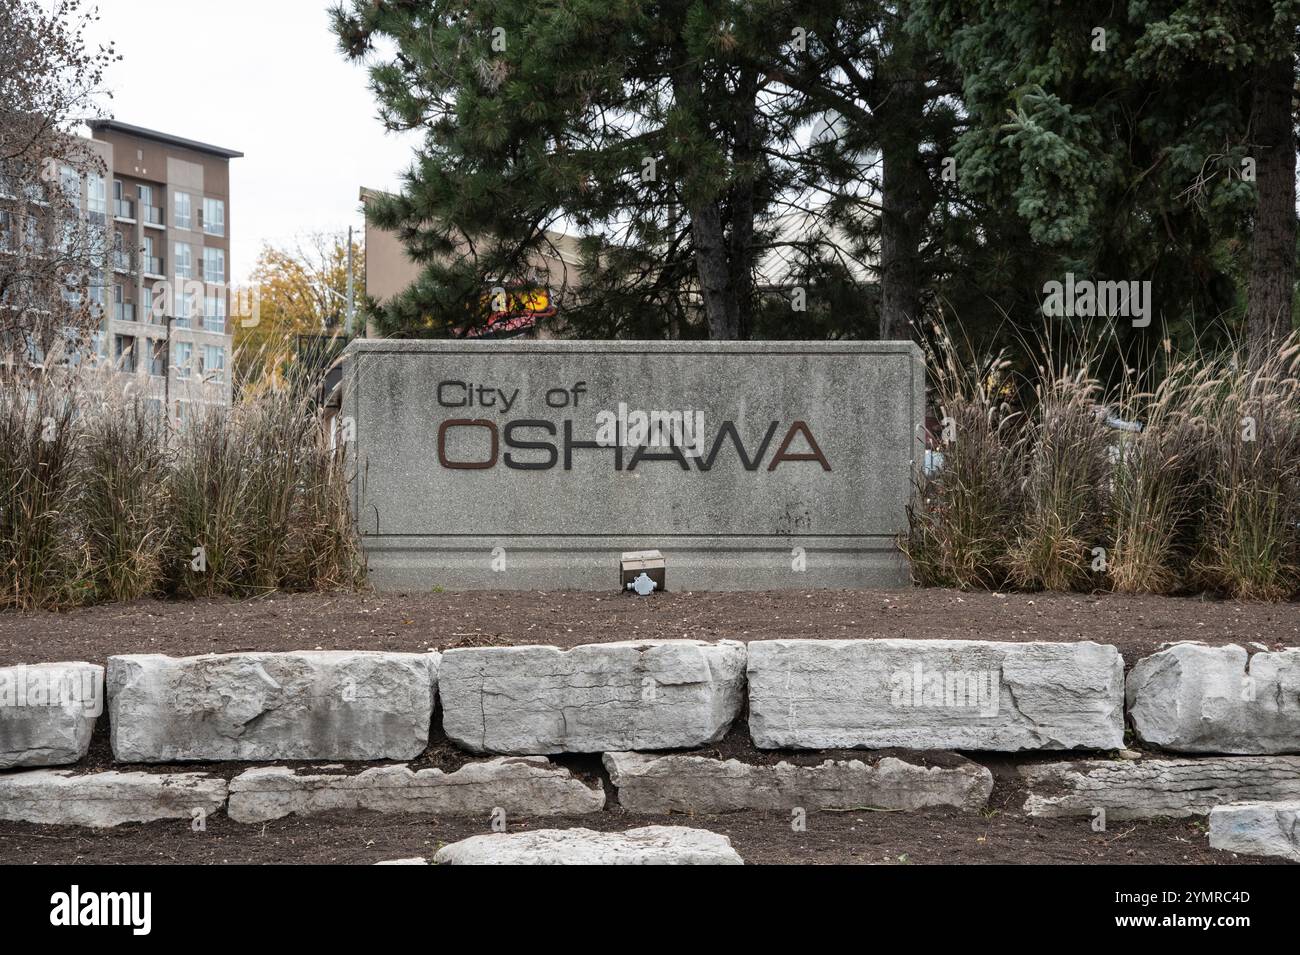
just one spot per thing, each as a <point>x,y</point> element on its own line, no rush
<point>534,464</point>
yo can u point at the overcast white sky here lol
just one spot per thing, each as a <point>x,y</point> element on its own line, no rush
<point>263,77</point>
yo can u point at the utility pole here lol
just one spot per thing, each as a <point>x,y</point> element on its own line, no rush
<point>347,328</point>
<point>167,364</point>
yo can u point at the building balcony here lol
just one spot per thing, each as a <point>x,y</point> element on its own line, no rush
<point>123,260</point>
<point>153,216</point>
<point>124,210</point>
<point>124,311</point>
<point>152,266</point>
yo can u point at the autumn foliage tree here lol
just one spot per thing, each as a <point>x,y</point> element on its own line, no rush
<point>301,290</point>
<point>51,251</point>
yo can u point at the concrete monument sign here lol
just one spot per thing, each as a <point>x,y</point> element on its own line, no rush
<point>535,464</point>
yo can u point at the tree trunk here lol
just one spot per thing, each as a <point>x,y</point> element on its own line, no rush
<point>712,266</point>
<point>1273,245</point>
<point>904,182</point>
<point>740,206</point>
<point>724,245</point>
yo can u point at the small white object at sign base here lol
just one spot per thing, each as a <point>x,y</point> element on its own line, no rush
<point>643,585</point>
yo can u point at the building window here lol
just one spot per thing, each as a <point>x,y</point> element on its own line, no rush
<point>158,359</point>
<point>150,213</point>
<point>152,264</point>
<point>182,211</point>
<point>70,181</point>
<point>184,307</point>
<point>97,198</point>
<point>123,207</point>
<point>184,261</point>
<point>214,265</point>
<point>214,312</point>
<point>32,239</point>
<point>124,352</point>
<point>95,289</point>
<point>214,363</point>
<point>184,358</point>
<point>214,216</point>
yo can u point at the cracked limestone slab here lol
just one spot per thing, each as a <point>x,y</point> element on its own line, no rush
<point>1152,787</point>
<point>64,798</point>
<point>314,704</point>
<point>48,712</point>
<point>663,694</point>
<point>520,785</point>
<point>1193,698</point>
<point>935,694</point>
<point>651,845</point>
<point>1258,829</point>
<point>686,783</point>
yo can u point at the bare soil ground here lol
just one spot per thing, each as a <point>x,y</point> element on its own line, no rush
<point>930,836</point>
<point>440,621</point>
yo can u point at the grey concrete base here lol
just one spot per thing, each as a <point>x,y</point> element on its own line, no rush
<point>415,565</point>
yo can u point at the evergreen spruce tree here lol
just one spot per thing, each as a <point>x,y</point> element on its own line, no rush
<point>1138,141</point>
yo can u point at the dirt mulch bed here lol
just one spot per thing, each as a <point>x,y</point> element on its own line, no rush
<point>926,837</point>
<point>440,621</point>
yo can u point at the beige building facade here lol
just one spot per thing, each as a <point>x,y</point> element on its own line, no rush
<point>166,290</point>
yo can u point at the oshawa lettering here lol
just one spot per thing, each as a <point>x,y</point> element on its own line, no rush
<point>525,434</point>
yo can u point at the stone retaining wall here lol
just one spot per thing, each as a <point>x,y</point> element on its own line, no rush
<point>265,706</point>
<point>48,712</point>
<point>1192,698</point>
<point>935,694</point>
<point>670,694</point>
<point>629,700</point>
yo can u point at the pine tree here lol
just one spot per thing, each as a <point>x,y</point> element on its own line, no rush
<point>644,127</point>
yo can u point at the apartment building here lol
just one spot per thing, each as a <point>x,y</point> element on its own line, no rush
<point>165,290</point>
